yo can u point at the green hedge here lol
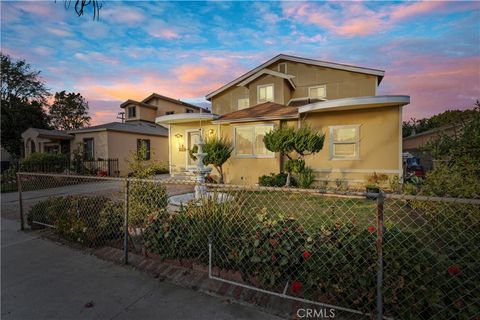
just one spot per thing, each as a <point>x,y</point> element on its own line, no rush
<point>44,162</point>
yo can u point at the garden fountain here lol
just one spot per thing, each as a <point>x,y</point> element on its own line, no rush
<point>201,172</point>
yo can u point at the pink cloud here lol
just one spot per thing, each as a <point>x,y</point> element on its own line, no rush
<point>190,73</point>
<point>356,19</point>
<point>59,32</point>
<point>429,81</point>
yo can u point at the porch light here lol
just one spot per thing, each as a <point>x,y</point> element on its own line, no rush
<point>211,133</point>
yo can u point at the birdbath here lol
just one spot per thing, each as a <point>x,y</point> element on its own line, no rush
<point>201,171</point>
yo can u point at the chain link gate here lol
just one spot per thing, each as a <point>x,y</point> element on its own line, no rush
<point>404,257</point>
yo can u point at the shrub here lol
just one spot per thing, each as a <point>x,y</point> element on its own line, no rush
<point>90,221</point>
<point>145,199</point>
<point>44,162</point>
<point>275,180</point>
<point>305,178</point>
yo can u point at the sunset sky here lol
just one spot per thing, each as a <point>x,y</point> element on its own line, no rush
<point>429,50</point>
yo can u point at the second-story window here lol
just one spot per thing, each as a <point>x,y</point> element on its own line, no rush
<point>265,93</point>
<point>317,92</point>
<point>282,67</point>
<point>243,103</point>
<point>169,112</point>
<point>132,112</point>
<point>189,110</point>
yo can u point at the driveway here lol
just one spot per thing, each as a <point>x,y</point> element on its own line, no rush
<point>45,280</point>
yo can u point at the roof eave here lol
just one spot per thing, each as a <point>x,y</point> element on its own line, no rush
<point>220,121</point>
<point>356,103</point>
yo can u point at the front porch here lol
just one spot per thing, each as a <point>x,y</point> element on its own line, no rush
<point>44,140</point>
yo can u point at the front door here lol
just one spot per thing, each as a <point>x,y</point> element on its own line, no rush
<point>192,139</point>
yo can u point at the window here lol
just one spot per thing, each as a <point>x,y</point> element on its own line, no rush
<point>243,103</point>
<point>145,145</point>
<point>169,112</point>
<point>282,67</point>
<point>132,112</point>
<point>88,152</point>
<point>189,110</point>
<point>249,141</point>
<point>344,142</point>
<point>265,93</point>
<point>318,92</point>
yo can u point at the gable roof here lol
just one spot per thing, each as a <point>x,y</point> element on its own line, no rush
<point>270,72</point>
<point>339,66</point>
<point>263,111</point>
<point>139,127</point>
<point>130,101</point>
<point>179,102</point>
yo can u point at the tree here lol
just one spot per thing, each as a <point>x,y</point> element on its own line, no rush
<point>287,140</point>
<point>218,151</point>
<point>69,111</point>
<point>23,98</point>
<point>80,6</point>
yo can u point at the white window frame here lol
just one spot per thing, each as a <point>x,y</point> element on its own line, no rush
<point>263,86</point>
<point>316,87</point>
<point>357,142</point>
<point>253,155</point>
<point>238,103</point>
<point>278,67</point>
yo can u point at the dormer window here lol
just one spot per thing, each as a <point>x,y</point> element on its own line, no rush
<point>243,103</point>
<point>317,92</point>
<point>132,112</point>
<point>265,93</point>
<point>282,67</point>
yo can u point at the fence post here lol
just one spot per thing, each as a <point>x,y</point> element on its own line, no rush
<point>379,244</point>
<point>20,202</point>
<point>125,222</point>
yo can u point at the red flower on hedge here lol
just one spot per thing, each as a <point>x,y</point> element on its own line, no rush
<point>371,229</point>
<point>307,254</point>
<point>296,286</point>
<point>453,270</point>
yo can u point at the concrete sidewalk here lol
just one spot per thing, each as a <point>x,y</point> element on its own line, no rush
<point>44,280</point>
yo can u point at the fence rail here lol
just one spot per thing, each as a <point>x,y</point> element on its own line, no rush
<point>399,256</point>
<point>104,168</point>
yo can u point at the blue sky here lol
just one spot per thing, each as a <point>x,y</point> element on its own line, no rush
<point>429,50</point>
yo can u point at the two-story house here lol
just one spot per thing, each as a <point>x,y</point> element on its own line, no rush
<point>115,140</point>
<point>362,130</point>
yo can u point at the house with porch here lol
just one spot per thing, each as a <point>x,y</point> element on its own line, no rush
<point>115,140</point>
<point>363,130</point>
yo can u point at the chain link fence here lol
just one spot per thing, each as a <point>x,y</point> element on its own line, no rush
<point>394,256</point>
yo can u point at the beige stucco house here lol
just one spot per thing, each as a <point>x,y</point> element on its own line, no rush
<point>363,132</point>
<point>115,140</point>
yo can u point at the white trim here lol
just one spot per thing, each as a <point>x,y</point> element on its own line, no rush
<point>357,142</point>
<point>278,67</point>
<point>355,103</point>
<point>386,171</point>
<point>185,117</point>
<point>264,86</point>
<point>253,155</point>
<point>294,116</point>
<point>400,145</point>
<point>324,86</point>
<point>270,72</point>
<point>169,150</point>
<point>326,64</point>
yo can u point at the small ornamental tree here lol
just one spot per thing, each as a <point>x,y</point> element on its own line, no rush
<point>218,151</point>
<point>295,144</point>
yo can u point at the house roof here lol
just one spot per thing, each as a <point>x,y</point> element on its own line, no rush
<point>48,133</point>
<point>263,111</point>
<point>179,102</point>
<point>130,101</point>
<point>139,127</point>
<point>444,129</point>
<point>185,117</point>
<point>270,72</point>
<point>284,57</point>
<point>355,103</point>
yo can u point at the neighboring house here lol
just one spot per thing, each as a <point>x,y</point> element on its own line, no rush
<point>363,131</point>
<point>416,142</point>
<point>115,140</point>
